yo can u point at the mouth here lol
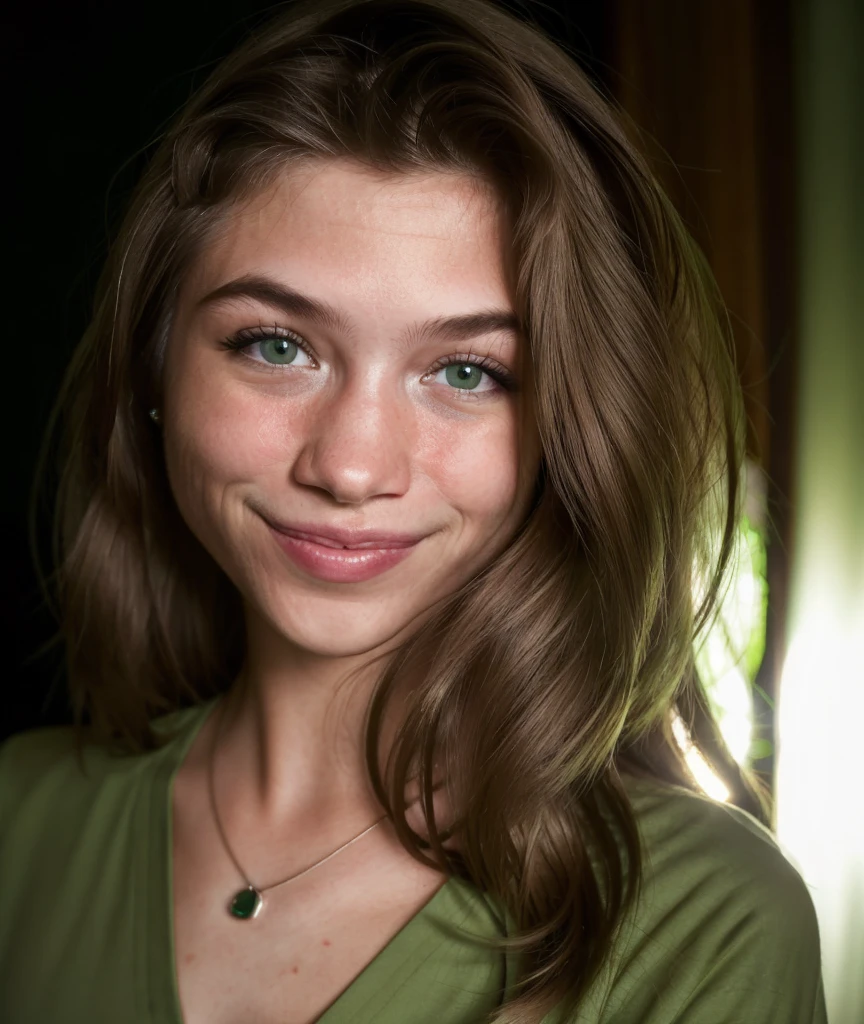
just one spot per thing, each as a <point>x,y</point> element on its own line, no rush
<point>345,539</point>
<point>329,542</point>
<point>325,559</point>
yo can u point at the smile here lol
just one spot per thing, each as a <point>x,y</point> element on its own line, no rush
<point>339,564</point>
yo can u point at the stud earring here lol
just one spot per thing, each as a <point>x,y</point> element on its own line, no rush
<point>155,416</point>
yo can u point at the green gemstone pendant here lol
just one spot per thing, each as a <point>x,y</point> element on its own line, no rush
<point>246,903</point>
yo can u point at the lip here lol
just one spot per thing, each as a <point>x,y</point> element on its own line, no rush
<point>319,557</point>
<point>332,537</point>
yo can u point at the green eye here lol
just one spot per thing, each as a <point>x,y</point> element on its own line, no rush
<point>279,351</point>
<point>464,376</point>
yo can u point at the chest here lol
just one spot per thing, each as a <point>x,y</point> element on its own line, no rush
<point>311,939</point>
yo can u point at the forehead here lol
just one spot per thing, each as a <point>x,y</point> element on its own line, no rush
<point>383,232</point>
<point>342,193</point>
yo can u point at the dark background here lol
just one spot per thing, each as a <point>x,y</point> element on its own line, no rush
<point>88,87</point>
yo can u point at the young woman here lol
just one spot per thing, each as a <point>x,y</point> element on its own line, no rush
<point>404,425</point>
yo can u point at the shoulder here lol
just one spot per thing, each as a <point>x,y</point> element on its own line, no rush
<point>690,834</point>
<point>701,853</point>
<point>52,765</point>
<point>725,928</point>
<point>29,759</point>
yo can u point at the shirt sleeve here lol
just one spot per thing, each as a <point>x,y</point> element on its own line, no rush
<point>765,967</point>
<point>725,931</point>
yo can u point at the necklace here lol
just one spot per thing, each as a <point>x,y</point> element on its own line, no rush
<point>247,902</point>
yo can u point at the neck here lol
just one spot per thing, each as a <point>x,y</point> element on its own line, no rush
<point>291,743</point>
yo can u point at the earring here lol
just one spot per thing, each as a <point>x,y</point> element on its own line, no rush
<point>155,416</point>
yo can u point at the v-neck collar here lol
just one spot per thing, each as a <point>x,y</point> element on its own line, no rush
<point>413,942</point>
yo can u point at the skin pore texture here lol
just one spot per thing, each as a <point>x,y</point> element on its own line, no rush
<point>359,431</point>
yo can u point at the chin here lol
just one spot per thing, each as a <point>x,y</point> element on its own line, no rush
<point>336,629</point>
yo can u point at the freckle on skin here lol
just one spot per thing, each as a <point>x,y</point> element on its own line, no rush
<point>189,958</point>
<point>326,942</point>
<point>295,969</point>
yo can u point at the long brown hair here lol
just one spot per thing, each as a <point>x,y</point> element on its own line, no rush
<point>573,650</point>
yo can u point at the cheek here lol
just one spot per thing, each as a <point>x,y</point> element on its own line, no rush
<point>216,439</point>
<point>220,432</point>
<point>474,466</point>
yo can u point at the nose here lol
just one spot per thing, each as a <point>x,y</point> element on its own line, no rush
<point>358,444</point>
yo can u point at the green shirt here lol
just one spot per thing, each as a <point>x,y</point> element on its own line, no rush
<point>725,932</point>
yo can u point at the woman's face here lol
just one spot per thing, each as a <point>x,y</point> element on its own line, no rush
<point>341,413</point>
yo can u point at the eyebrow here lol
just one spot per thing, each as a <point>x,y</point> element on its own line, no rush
<point>457,328</point>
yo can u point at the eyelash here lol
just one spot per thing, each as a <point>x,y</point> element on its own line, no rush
<point>236,343</point>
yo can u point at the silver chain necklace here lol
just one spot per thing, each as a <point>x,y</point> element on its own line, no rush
<point>247,902</point>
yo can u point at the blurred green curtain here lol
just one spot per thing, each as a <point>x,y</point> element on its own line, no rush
<point>820,767</point>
